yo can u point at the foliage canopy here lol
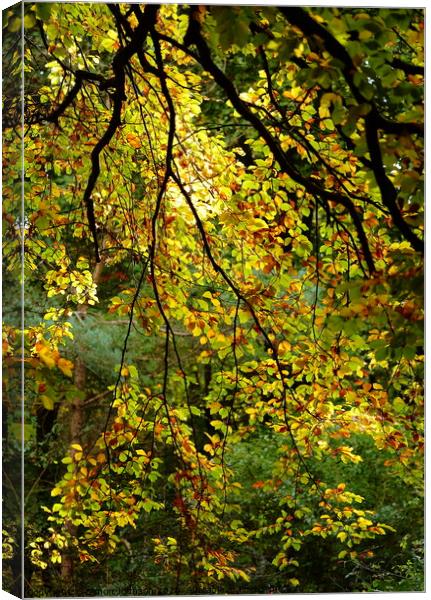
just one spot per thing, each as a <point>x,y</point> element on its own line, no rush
<point>223,238</point>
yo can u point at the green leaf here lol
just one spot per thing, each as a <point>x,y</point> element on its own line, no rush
<point>14,24</point>
<point>43,10</point>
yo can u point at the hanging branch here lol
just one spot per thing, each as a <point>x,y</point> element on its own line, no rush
<point>204,58</point>
<point>168,173</point>
<point>80,75</point>
<point>374,121</point>
<point>299,18</point>
<point>241,298</point>
<point>408,68</point>
<point>119,64</point>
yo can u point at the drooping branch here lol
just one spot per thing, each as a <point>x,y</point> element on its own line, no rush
<point>408,68</point>
<point>205,59</point>
<point>387,188</point>
<point>122,360</point>
<point>241,298</point>
<point>119,64</point>
<point>153,250</point>
<point>80,75</point>
<point>374,121</point>
<point>299,18</point>
<point>117,84</point>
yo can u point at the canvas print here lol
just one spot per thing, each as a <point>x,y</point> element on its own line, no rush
<point>213,243</point>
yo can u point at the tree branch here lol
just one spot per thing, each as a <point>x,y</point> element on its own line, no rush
<point>119,63</point>
<point>204,57</point>
<point>299,18</point>
<point>373,121</point>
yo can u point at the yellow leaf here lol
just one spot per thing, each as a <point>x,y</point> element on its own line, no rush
<point>363,523</point>
<point>56,491</point>
<point>46,356</point>
<point>284,347</point>
<point>55,556</point>
<point>47,402</point>
<point>342,536</point>
<point>65,366</point>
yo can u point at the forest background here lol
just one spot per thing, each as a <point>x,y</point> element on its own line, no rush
<point>223,277</point>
